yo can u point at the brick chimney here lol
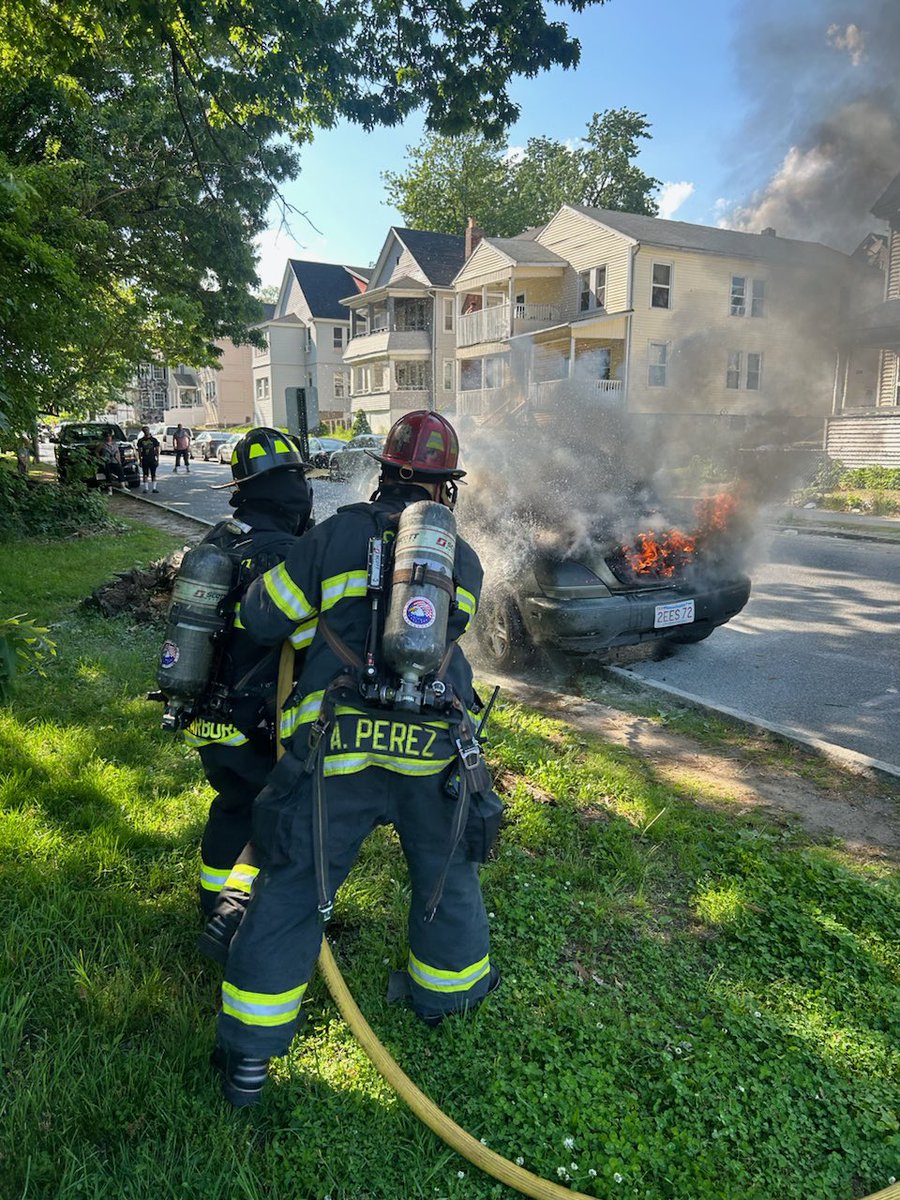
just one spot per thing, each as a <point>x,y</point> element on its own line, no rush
<point>473,236</point>
<point>768,231</point>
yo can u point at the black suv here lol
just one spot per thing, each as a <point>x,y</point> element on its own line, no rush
<point>77,460</point>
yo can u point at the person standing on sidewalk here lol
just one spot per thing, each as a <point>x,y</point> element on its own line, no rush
<point>111,460</point>
<point>148,453</point>
<point>181,441</point>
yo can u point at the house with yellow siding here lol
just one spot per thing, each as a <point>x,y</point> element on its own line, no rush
<point>660,318</point>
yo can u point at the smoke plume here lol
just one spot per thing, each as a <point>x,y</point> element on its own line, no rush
<point>826,125</point>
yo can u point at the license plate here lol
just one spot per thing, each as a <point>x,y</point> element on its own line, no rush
<point>681,613</point>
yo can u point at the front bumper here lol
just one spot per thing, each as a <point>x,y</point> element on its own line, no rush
<point>586,625</point>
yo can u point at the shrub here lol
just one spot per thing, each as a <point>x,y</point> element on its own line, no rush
<point>874,478</point>
<point>34,508</point>
<point>360,424</point>
<point>22,644</point>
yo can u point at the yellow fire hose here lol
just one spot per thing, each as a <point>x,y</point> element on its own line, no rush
<point>425,1109</point>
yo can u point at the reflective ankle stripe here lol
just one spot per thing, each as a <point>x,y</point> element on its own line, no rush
<point>212,879</point>
<point>241,878</point>
<point>435,980</point>
<point>260,1008</point>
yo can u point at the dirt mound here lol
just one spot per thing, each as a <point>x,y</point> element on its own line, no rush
<point>143,592</point>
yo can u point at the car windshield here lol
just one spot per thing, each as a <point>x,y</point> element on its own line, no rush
<point>90,433</point>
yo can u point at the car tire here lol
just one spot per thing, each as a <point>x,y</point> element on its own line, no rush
<point>334,473</point>
<point>502,635</point>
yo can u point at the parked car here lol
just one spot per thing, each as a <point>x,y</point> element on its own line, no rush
<point>76,445</point>
<point>166,434</point>
<point>206,443</point>
<point>595,591</point>
<point>222,453</point>
<point>321,450</point>
<point>352,458</point>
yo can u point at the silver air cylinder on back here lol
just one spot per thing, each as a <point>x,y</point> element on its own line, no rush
<point>415,630</point>
<point>195,619</point>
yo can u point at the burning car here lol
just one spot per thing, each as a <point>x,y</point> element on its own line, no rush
<point>586,590</point>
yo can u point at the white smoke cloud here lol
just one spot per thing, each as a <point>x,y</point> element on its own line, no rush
<point>672,196</point>
<point>849,38</point>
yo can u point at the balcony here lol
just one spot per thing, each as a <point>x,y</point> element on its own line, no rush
<point>386,340</point>
<point>551,392</point>
<point>493,324</point>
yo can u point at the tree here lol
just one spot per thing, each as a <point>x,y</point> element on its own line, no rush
<point>143,142</point>
<point>449,179</point>
<point>360,423</point>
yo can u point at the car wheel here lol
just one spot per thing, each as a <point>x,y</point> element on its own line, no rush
<point>503,634</point>
<point>334,472</point>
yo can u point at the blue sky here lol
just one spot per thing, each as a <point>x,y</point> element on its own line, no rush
<point>679,62</point>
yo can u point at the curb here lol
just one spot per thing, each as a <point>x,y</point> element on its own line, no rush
<point>851,535</point>
<point>852,759</point>
<point>168,508</point>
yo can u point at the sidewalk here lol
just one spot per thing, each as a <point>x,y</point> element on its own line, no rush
<point>835,524</point>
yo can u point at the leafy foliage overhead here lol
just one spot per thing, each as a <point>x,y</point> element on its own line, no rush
<point>449,179</point>
<point>143,142</point>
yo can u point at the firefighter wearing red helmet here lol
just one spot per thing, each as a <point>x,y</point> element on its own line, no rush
<point>365,763</point>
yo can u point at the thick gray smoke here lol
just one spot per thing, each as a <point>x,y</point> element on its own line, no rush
<point>825,129</point>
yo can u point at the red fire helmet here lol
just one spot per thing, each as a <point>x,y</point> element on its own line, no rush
<point>422,443</point>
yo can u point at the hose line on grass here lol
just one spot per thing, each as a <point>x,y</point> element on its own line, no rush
<point>421,1106</point>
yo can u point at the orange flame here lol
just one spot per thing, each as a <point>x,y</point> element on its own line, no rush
<point>663,554</point>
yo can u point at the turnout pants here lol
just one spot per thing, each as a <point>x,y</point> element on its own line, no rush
<point>275,949</point>
<point>237,773</point>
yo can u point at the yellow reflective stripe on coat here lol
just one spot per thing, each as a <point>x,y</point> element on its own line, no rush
<point>337,587</point>
<point>203,732</point>
<point>285,594</point>
<point>435,980</point>
<point>349,764</point>
<point>466,603</point>
<point>304,634</point>
<point>212,879</point>
<point>238,624</point>
<point>261,1008</point>
<point>241,878</point>
<point>301,714</point>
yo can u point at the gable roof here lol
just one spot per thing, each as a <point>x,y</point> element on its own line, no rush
<point>680,235</point>
<point>524,250</point>
<point>323,285</point>
<point>439,255</point>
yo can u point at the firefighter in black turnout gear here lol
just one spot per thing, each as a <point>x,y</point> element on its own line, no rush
<point>233,726</point>
<point>355,758</point>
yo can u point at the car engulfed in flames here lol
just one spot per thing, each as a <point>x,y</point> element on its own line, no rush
<point>593,592</point>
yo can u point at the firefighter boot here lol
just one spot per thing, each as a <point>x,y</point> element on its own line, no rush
<point>432,1020</point>
<point>243,1078</point>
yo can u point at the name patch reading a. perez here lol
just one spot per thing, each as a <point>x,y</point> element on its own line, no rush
<point>402,738</point>
<point>419,612</point>
<point>169,655</point>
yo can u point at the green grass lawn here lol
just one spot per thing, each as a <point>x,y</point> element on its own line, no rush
<point>697,1003</point>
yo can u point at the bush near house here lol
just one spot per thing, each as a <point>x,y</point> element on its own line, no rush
<point>360,424</point>
<point>698,1000</point>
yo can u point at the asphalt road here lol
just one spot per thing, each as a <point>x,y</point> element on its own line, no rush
<point>816,650</point>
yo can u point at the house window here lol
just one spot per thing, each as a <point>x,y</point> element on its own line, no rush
<point>339,385</point>
<point>448,374</point>
<point>744,371</point>
<point>262,388</point>
<point>758,298</point>
<point>659,361</point>
<point>411,376</point>
<point>743,288</point>
<point>733,371</point>
<point>754,372</point>
<point>661,288</point>
<point>738,295</point>
<point>337,337</point>
<point>378,378</point>
<point>448,315</point>
<point>308,339</point>
<point>600,287</point>
<point>159,372</point>
<point>584,291</point>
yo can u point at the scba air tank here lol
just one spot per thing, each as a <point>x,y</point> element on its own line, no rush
<point>422,587</point>
<point>195,619</point>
